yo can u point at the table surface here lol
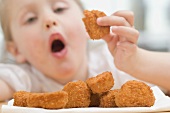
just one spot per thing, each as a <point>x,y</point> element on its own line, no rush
<point>4,103</point>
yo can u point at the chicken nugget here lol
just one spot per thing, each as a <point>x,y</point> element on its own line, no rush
<point>20,98</point>
<point>78,94</point>
<point>53,100</point>
<point>135,94</point>
<point>90,21</point>
<point>107,99</point>
<point>101,83</point>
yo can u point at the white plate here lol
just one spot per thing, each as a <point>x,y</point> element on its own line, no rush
<point>162,103</point>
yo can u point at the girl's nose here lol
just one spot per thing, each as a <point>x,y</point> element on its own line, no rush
<point>50,24</point>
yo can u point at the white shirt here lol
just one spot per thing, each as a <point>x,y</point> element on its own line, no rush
<point>26,77</point>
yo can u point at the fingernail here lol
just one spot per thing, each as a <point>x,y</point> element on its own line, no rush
<point>99,19</point>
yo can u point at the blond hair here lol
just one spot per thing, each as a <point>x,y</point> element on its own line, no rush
<point>4,18</point>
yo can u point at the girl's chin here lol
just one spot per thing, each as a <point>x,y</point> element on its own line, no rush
<point>65,80</point>
<point>64,76</point>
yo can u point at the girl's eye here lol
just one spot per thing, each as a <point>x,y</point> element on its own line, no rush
<point>59,10</point>
<point>31,20</point>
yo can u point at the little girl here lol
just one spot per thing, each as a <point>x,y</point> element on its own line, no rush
<point>48,41</point>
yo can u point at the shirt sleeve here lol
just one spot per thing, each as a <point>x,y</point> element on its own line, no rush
<point>16,77</point>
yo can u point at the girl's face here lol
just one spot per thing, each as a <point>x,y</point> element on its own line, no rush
<point>51,36</point>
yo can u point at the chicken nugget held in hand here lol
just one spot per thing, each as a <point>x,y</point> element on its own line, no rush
<point>101,83</point>
<point>94,30</point>
<point>135,94</point>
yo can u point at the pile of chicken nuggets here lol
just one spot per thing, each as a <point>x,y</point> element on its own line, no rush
<point>94,92</point>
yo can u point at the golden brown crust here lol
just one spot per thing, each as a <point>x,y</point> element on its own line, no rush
<point>135,94</point>
<point>96,94</point>
<point>78,94</point>
<point>107,99</point>
<point>101,83</point>
<point>20,98</point>
<point>54,100</point>
<point>94,30</point>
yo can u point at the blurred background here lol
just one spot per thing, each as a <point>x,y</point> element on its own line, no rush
<point>152,19</point>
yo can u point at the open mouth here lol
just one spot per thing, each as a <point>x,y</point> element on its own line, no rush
<point>57,46</point>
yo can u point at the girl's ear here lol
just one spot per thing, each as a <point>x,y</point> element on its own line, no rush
<point>12,48</point>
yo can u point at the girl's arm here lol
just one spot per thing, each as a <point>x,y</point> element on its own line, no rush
<point>153,67</point>
<point>6,91</point>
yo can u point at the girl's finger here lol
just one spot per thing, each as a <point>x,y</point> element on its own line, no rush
<point>112,21</point>
<point>109,37</point>
<point>112,44</point>
<point>128,15</point>
<point>129,34</point>
<point>111,41</point>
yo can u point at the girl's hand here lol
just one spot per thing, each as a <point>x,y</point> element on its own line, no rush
<point>123,38</point>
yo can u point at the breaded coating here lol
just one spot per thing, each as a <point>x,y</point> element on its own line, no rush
<point>78,94</point>
<point>95,100</point>
<point>94,30</point>
<point>53,100</point>
<point>101,83</point>
<point>107,99</point>
<point>20,98</point>
<point>135,94</point>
